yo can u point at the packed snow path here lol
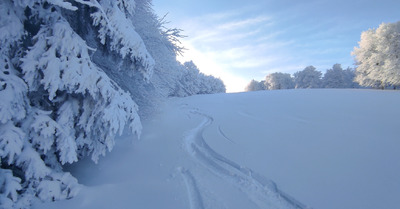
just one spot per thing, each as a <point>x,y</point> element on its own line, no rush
<point>261,191</point>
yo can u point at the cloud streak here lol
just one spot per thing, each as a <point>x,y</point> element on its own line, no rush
<point>235,39</point>
<point>248,44</point>
<point>235,43</point>
<point>234,25</point>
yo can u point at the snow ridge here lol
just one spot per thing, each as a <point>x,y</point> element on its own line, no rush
<point>261,191</point>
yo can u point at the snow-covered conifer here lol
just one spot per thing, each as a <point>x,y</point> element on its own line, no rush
<point>58,105</point>
<point>163,45</point>
<point>115,29</point>
<point>65,69</point>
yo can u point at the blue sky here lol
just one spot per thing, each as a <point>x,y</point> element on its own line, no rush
<point>243,40</point>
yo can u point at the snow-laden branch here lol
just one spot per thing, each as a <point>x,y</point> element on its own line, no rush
<point>124,39</point>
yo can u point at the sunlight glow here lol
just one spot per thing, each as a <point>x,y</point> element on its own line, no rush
<point>209,66</point>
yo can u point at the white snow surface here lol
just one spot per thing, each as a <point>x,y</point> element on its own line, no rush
<point>269,149</point>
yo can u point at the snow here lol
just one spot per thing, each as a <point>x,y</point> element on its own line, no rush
<point>316,148</point>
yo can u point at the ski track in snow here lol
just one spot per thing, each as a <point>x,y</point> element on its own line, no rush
<point>261,191</point>
<point>195,199</point>
<point>224,135</point>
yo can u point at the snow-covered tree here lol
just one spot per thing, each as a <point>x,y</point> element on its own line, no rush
<point>378,56</point>
<point>170,78</point>
<point>163,44</point>
<point>192,82</point>
<point>278,81</point>
<point>211,84</point>
<point>338,78</point>
<point>58,105</point>
<point>69,74</point>
<point>255,86</point>
<point>308,78</point>
<point>350,75</point>
<point>334,78</point>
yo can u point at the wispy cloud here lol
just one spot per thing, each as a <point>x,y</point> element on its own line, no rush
<point>234,42</point>
<point>250,44</point>
<point>259,37</point>
<point>234,25</point>
<point>208,29</point>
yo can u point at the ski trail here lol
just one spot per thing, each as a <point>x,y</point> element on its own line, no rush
<point>224,135</point>
<point>192,189</point>
<point>261,191</point>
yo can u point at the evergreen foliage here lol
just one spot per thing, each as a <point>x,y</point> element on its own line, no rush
<point>71,73</point>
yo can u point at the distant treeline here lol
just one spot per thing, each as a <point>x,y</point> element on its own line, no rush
<point>377,61</point>
<point>335,77</point>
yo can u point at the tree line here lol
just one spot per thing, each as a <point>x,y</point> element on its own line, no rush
<point>377,60</point>
<point>335,77</point>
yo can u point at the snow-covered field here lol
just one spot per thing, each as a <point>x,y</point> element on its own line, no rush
<point>323,149</point>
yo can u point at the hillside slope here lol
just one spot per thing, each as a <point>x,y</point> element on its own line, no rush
<point>268,149</point>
